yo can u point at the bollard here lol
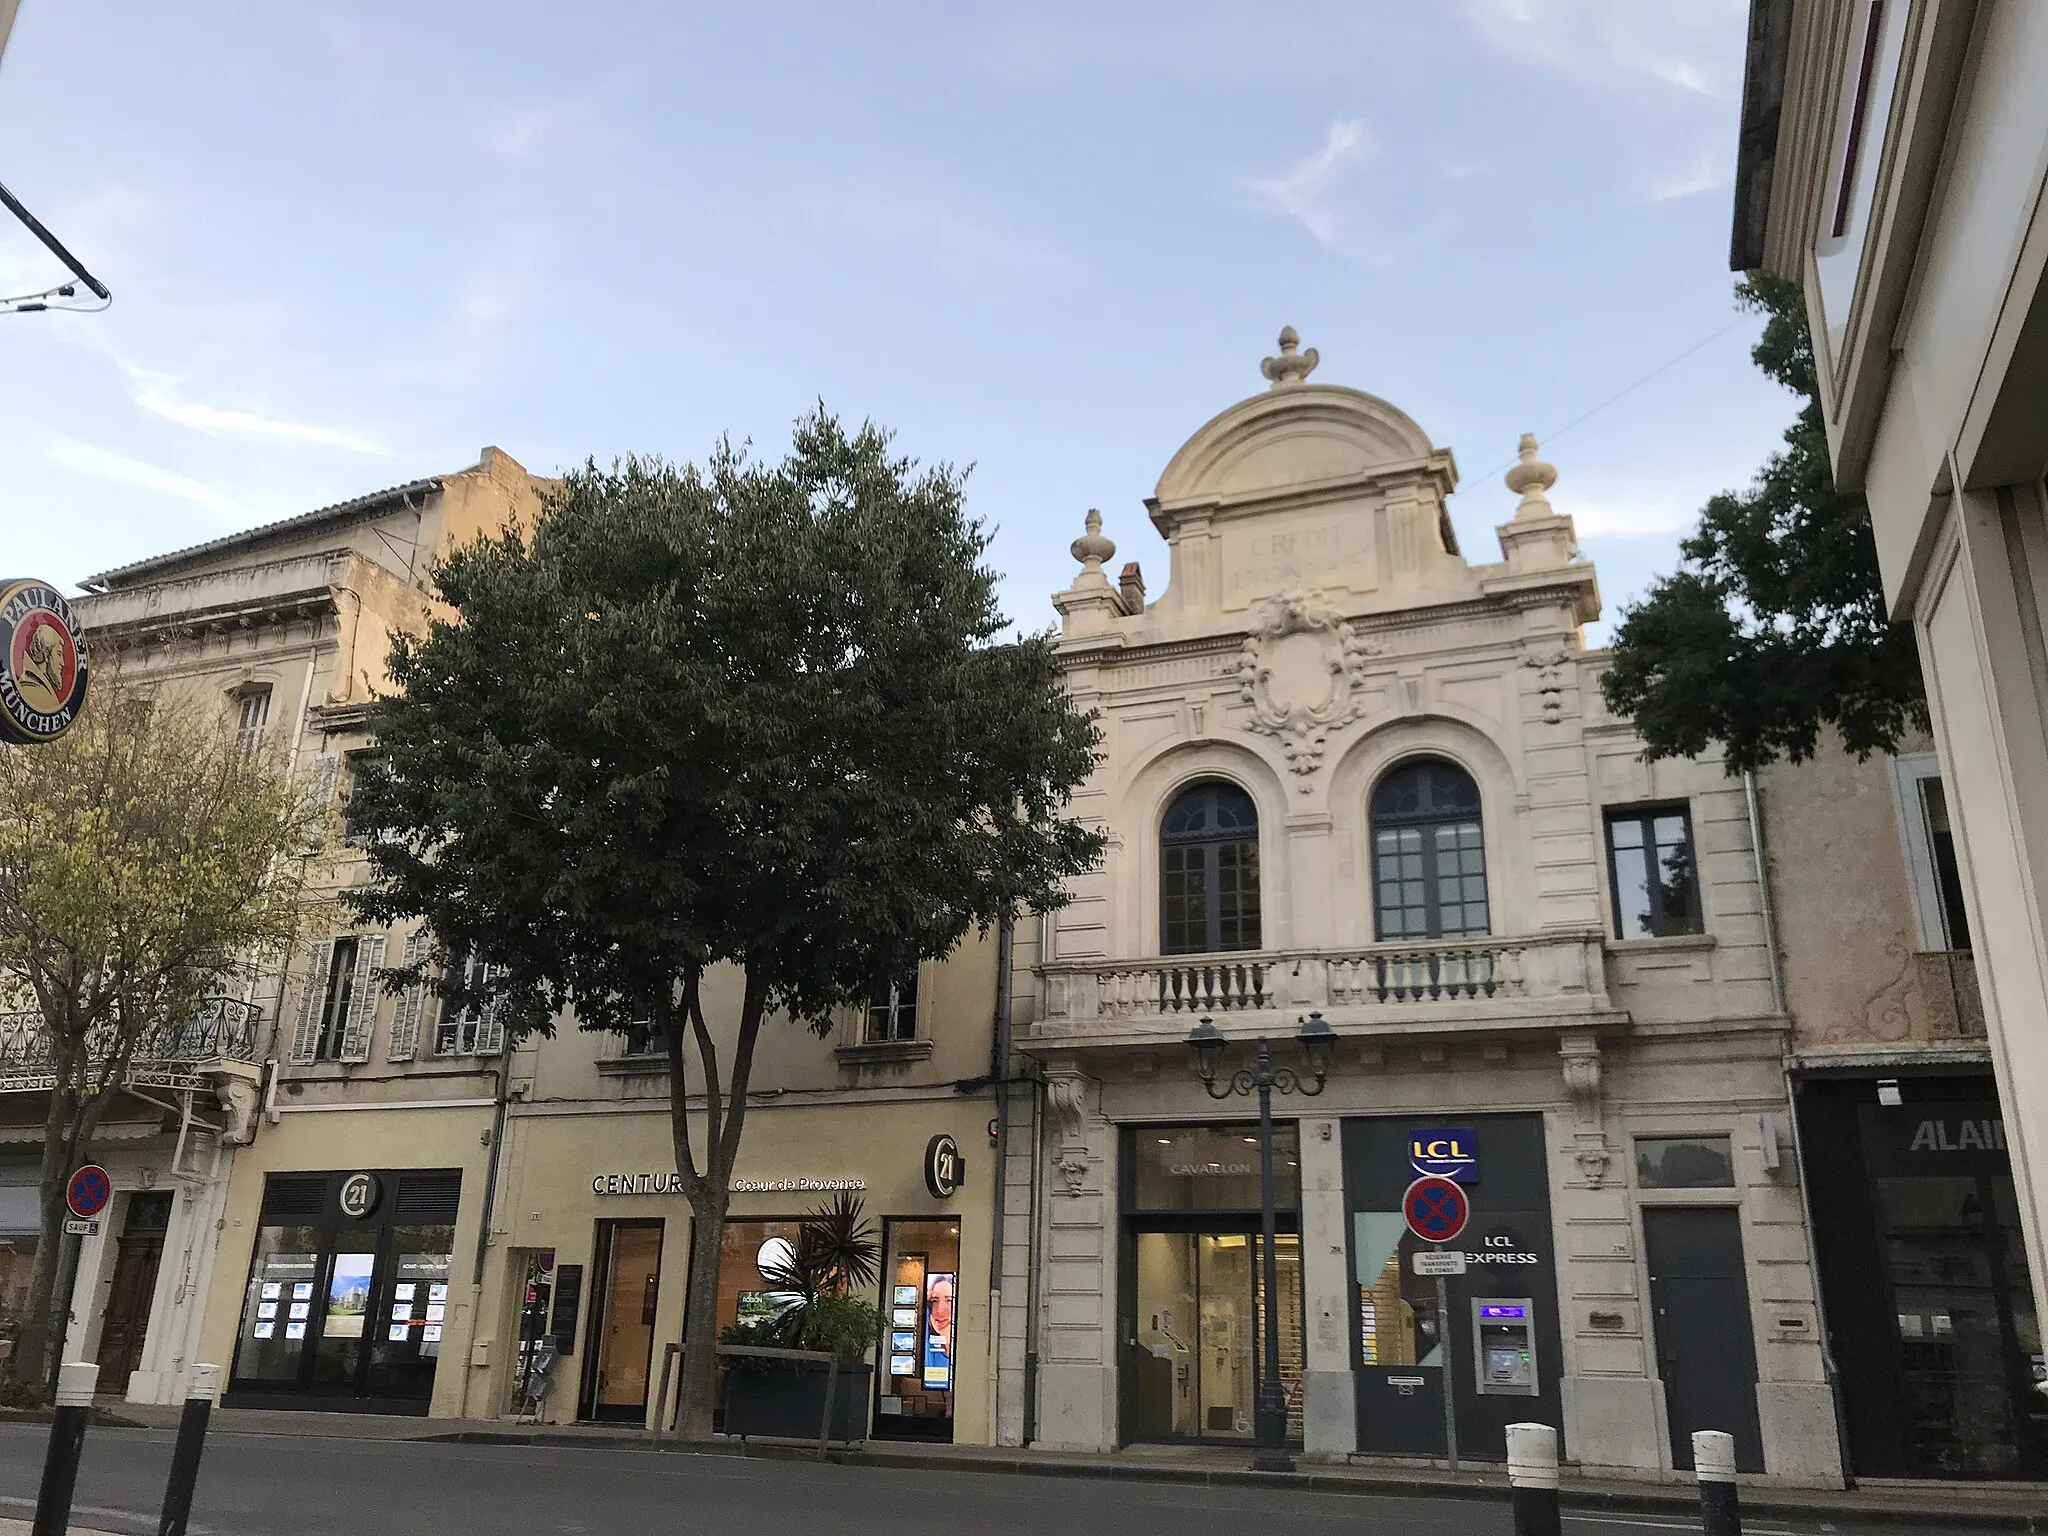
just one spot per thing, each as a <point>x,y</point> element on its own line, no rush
<point>1713,1459</point>
<point>191,1446</point>
<point>1532,1472</point>
<point>75,1383</point>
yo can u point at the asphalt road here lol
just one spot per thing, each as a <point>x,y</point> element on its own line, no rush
<point>297,1485</point>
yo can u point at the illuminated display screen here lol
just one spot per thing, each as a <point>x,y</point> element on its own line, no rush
<point>1513,1312</point>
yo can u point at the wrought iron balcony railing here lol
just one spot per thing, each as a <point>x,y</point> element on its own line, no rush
<point>224,1029</point>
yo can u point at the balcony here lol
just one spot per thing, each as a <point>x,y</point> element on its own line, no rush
<point>1481,984</point>
<point>189,1056</point>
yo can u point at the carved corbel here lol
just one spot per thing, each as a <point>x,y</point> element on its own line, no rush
<point>240,1098</point>
<point>1066,1094</point>
<point>1579,1061</point>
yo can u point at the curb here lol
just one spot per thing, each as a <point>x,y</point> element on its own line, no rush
<point>1763,1503</point>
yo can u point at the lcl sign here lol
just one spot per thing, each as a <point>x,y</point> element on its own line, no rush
<point>1448,1153</point>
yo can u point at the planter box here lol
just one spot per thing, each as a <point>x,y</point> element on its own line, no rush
<point>787,1402</point>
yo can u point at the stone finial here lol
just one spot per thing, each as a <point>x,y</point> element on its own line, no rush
<point>1531,478</point>
<point>1092,549</point>
<point>1292,366</point>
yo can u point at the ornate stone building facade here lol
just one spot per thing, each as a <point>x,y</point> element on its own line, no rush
<point>1347,771</point>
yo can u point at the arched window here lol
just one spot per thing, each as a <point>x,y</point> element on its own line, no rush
<point>1209,871</point>
<point>1428,853</point>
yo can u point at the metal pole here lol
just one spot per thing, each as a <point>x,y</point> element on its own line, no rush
<point>191,1446</point>
<point>1443,1342</point>
<point>831,1391</point>
<point>75,1384</point>
<point>1532,1473</point>
<point>1270,1412</point>
<point>1713,1460</point>
<point>669,1351</point>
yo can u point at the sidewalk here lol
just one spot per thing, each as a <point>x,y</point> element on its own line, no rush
<point>1991,1506</point>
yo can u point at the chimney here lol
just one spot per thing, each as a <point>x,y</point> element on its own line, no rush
<point>1132,585</point>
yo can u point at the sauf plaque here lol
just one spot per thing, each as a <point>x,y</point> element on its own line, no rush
<point>42,663</point>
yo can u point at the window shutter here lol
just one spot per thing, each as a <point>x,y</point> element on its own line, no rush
<point>362,1002</point>
<point>490,1035</point>
<point>306,1032</point>
<point>405,1018</point>
<point>320,798</point>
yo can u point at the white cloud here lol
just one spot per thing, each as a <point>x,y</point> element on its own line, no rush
<point>1707,173</point>
<point>219,421</point>
<point>1304,191</point>
<point>104,464</point>
<point>1695,47</point>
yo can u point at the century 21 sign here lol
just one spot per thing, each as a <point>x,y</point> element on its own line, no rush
<point>1448,1153</point>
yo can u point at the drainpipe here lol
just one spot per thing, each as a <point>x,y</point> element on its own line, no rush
<point>1820,1316</point>
<point>999,1069</point>
<point>483,1229</point>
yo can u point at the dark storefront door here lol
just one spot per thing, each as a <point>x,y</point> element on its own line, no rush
<point>125,1323</point>
<point>1924,1272</point>
<point>1706,1351</point>
<point>622,1305</point>
<point>348,1291</point>
<point>1503,1309</point>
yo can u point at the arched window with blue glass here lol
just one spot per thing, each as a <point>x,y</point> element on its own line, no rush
<point>1428,853</point>
<point>1209,871</point>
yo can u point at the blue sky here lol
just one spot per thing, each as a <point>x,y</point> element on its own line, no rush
<point>351,245</point>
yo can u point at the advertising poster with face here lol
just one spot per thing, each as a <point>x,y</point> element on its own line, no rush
<point>938,1332</point>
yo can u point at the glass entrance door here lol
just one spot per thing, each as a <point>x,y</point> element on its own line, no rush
<point>1192,1360</point>
<point>629,1277</point>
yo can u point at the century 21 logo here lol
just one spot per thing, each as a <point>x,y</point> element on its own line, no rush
<point>1448,1152</point>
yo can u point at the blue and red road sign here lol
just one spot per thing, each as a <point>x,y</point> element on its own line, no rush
<point>89,1191</point>
<point>1435,1208</point>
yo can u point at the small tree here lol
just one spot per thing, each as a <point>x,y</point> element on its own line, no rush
<point>145,857</point>
<point>1776,624</point>
<point>748,715</point>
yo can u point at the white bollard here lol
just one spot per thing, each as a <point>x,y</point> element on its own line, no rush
<point>76,1383</point>
<point>1713,1462</point>
<point>1532,1472</point>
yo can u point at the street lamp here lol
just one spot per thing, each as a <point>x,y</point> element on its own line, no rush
<point>1318,1044</point>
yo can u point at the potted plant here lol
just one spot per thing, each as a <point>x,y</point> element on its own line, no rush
<point>811,1307</point>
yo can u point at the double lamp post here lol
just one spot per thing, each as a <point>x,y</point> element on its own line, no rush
<point>1318,1044</point>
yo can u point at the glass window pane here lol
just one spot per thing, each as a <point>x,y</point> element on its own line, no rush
<point>1632,893</point>
<point>1211,1167</point>
<point>1684,1162</point>
<point>277,1311</point>
<point>1625,832</point>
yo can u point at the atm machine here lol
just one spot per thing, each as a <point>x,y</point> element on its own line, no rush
<point>1504,1346</point>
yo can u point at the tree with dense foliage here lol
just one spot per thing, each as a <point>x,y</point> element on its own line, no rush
<point>1775,626</point>
<point>146,857</point>
<point>749,715</point>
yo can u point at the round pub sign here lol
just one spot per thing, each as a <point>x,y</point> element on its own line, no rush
<point>42,663</point>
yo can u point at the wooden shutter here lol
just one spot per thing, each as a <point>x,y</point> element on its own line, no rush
<point>362,1002</point>
<point>306,1031</point>
<point>405,1018</point>
<point>490,1035</point>
<point>319,778</point>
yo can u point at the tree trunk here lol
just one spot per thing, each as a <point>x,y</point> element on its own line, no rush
<point>29,1369</point>
<point>699,1386</point>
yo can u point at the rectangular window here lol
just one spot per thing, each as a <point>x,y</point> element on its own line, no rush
<point>1653,873</point>
<point>1934,879</point>
<point>252,714</point>
<point>474,1030</point>
<point>894,1016</point>
<point>1684,1162</point>
<point>340,994</point>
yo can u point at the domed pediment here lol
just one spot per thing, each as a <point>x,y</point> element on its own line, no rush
<point>1295,436</point>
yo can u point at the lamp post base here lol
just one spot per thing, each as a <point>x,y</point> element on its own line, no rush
<point>1270,1458</point>
<point>1269,1423</point>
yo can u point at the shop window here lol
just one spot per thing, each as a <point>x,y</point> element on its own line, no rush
<point>1209,872</point>
<point>1653,873</point>
<point>892,1012</point>
<point>472,1030</point>
<point>1934,879</point>
<point>1429,853</point>
<point>1684,1162</point>
<point>1210,1168</point>
<point>921,1274</point>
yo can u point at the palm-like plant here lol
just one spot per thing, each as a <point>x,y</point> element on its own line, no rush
<point>834,1254</point>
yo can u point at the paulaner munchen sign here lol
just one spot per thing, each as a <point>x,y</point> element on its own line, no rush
<point>42,663</point>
